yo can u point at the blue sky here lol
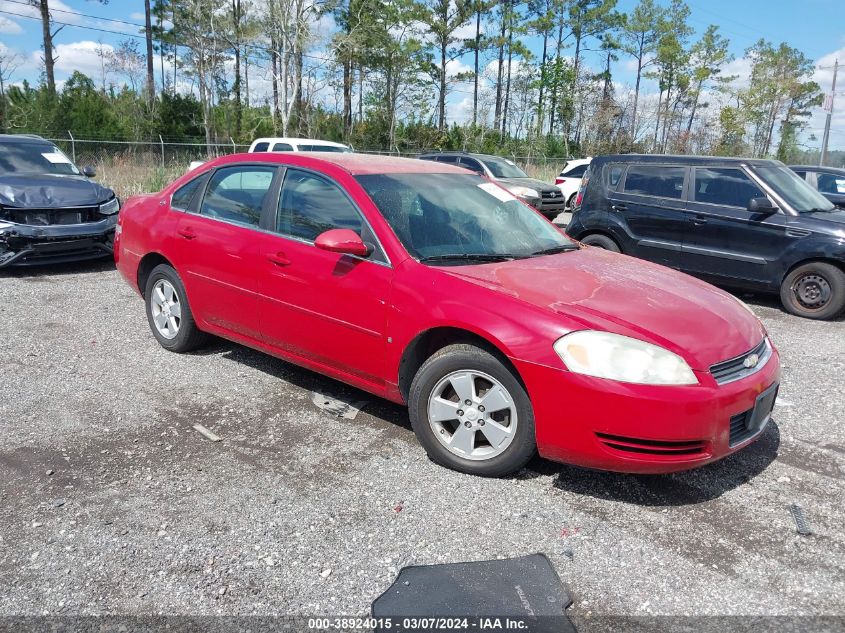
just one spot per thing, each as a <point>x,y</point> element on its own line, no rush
<point>816,27</point>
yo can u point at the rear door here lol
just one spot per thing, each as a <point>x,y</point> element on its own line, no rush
<point>724,239</point>
<point>650,204</point>
<point>219,253</point>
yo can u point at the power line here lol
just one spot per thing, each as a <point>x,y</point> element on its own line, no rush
<point>79,14</point>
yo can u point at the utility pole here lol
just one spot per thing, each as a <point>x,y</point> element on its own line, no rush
<point>829,108</point>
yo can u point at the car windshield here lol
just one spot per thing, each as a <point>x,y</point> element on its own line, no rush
<point>34,158</point>
<point>787,184</point>
<point>503,168</point>
<point>450,219</point>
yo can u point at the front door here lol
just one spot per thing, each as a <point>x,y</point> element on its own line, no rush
<point>220,248</point>
<point>650,204</point>
<point>724,239</point>
<point>323,306</point>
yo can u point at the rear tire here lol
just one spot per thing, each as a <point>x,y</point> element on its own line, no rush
<point>602,241</point>
<point>815,291</point>
<point>168,312</point>
<point>493,435</point>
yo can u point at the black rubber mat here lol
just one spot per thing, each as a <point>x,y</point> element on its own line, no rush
<point>524,594</point>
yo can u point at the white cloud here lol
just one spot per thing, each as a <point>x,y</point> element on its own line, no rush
<point>10,27</point>
<point>83,56</point>
<point>137,16</point>
<point>456,67</point>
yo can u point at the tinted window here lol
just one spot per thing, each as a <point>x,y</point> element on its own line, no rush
<point>802,175</point>
<point>575,172</point>
<point>282,147</point>
<point>614,174</point>
<point>728,187</point>
<point>830,183</point>
<point>446,159</point>
<point>261,147</point>
<point>655,180</point>
<point>237,194</point>
<point>183,195</point>
<point>471,163</point>
<point>459,214</point>
<point>34,158</point>
<point>310,205</point>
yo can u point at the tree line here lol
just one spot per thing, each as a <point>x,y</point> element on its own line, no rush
<point>529,78</point>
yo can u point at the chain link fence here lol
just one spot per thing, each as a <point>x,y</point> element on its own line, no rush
<point>133,167</point>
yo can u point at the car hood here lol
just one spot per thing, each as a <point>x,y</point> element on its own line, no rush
<point>50,190</point>
<point>539,185</point>
<point>606,291</point>
<point>831,222</point>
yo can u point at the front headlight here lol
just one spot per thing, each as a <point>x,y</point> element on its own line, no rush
<point>111,207</point>
<point>524,192</point>
<point>616,357</point>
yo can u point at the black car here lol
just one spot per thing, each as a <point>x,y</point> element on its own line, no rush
<point>547,199</point>
<point>50,212</point>
<point>828,181</point>
<point>751,224</point>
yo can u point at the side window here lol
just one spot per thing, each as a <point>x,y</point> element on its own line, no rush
<point>614,174</point>
<point>801,174</point>
<point>724,186</point>
<point>182,197</point>
<point>576,172</point>
<point>452,160</point>
<point>282,147</point>
<point>263,146</point>
<point>310,205</point>
<point>237,193</point>
<point>655,180</point>
<point>830,183</point>
<point>471,163</point>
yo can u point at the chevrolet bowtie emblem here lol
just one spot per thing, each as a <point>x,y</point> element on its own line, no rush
<point>751,361</point>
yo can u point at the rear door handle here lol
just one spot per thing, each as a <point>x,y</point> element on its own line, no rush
<point>619,207</point>
<point>187,233</point>
<point>279,259</point>
<point>698,220</point>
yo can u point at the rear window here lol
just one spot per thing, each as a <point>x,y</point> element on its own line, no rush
<point>655,180</point>
<point>575,172</point>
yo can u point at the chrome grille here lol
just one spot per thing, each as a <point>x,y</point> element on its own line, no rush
<point>744,365</point>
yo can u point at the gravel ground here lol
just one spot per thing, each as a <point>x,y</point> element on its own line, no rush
<point>110,503</point>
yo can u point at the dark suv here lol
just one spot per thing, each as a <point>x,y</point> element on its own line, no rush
<point>547,199</point>
<point>50,211</point>
<point>745,223</point>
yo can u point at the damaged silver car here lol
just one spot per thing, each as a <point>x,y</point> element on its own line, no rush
<point>50,211</point>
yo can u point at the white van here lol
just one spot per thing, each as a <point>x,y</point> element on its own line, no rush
<point>296,145</point>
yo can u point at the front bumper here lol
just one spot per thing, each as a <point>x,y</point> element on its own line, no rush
<point>24,244</point>
<point>621,427</point>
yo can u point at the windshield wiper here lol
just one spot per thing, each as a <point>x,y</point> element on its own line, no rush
<point>563,248</point>
<point>470,257</point>
<point>819,210</point>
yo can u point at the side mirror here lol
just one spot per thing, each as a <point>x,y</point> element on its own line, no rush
<point>344,241</point>
<point>761,205</point>
<point>89,171</point>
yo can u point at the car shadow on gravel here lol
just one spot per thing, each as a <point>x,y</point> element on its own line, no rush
<point>43,271</point>
<point>677,489</point>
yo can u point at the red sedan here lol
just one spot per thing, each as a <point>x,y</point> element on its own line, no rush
<point>431,286</point>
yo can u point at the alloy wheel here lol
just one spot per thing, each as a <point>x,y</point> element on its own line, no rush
<point>472,415</point>
<point>166,309</point>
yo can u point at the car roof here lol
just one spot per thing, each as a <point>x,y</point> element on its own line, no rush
<point>680,159</point>
<point>832,170</point>
<point>460,153</point>
<point>22,138</point>
<point>296,141</point>
<point>353,163</point>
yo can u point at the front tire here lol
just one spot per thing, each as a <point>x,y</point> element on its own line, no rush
<point>471,413</point>
<point>814,291</point>
<point>168,312</point>
<point>602,241</point>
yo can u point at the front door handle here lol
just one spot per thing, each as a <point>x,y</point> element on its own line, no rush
<point>699,220</point>
<point>279,259</point>
<point>187,233</point>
